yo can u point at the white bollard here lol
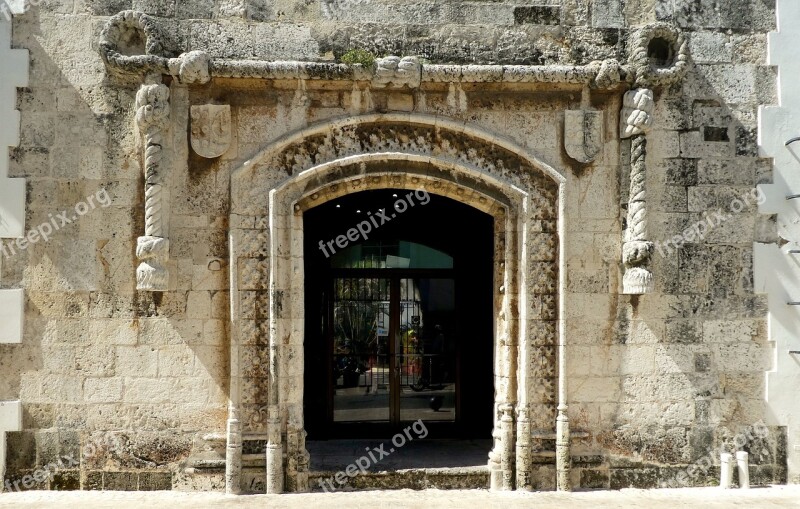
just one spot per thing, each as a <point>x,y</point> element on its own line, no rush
<point>742,463</point>
<point>725,470</point>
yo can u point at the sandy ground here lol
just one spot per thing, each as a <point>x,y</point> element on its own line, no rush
<point>705,498</point>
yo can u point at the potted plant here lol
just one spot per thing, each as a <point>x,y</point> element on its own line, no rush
<point>355,331</point>
<point>350,369</point>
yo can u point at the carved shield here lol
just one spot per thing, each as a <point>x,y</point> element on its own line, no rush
<point>211,129</point>
<point>583,134</point>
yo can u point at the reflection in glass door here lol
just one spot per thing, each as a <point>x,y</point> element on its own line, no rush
<point>360,329</point>
<point>427,354</point>
<point>394,349</point>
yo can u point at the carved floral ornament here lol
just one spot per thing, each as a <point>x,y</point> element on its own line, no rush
<point>658,56</point>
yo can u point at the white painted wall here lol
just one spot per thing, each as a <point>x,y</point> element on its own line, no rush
<point>13,74</point>
<point>777,271</point>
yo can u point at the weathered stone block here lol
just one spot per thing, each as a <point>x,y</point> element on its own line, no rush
<point>594,479</point>
<point>102,390</point>
<point>641,478</point>
<point>711,47</point>
<point>155,481</point>
<point>537,15</point>
<point>66,480</point>
<point>120,481</point>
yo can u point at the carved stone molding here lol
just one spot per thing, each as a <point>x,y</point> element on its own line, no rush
<point>152,116</point>
<point>398,72</point>
<point>636,119</point>
<point>197,67</point>
<point>649,72</point>
<point>191,67</point>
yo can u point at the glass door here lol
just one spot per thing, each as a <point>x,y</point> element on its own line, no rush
<point>361,327</point>
<point>394,349</point>
<point>427,350</point>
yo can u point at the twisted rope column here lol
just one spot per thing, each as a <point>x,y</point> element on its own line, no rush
<point>636,120</point>
<point>152,115</point>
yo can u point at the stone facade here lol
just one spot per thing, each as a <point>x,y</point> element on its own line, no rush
<point>614,143</point>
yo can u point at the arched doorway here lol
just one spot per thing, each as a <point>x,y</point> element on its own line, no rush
<point>398,322</point>
<point>309,168</point>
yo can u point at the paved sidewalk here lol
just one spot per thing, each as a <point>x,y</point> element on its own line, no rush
<point>705,498</point>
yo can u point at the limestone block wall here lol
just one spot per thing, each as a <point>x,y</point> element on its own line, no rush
<point>668,378</point>
<point>137,383</point>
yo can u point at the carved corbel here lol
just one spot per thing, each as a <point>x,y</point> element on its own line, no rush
<point>398,72</point>
<point>152,117</point>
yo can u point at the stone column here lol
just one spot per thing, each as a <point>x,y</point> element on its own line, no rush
<point>635,122</point>
<point>562,450</point>
<point>502,461</point>
<point>233,454</point>
<point>563,458</point>
<point>152,117</point>
<point>274,459</point>
<point>523,450</point>
<point>507,460</point>
<point>233,450</point>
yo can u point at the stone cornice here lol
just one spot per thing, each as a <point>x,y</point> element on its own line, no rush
<point>198,67</point>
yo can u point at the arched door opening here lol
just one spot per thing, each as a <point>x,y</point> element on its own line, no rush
<point>398,321</point>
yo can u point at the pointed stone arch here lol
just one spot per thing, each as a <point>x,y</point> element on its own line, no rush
<point>309,167</point>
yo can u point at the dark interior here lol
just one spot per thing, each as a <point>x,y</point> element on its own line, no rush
<point>454,228</point>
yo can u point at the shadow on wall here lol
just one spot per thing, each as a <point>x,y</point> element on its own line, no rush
<point>97,356</point>
<point>690,358</point>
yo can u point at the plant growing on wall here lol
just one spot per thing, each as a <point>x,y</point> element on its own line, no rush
<point>358,56</point>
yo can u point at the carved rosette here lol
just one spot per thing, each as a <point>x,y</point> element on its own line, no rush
<point>152,115</point>
<point>635,121</point>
